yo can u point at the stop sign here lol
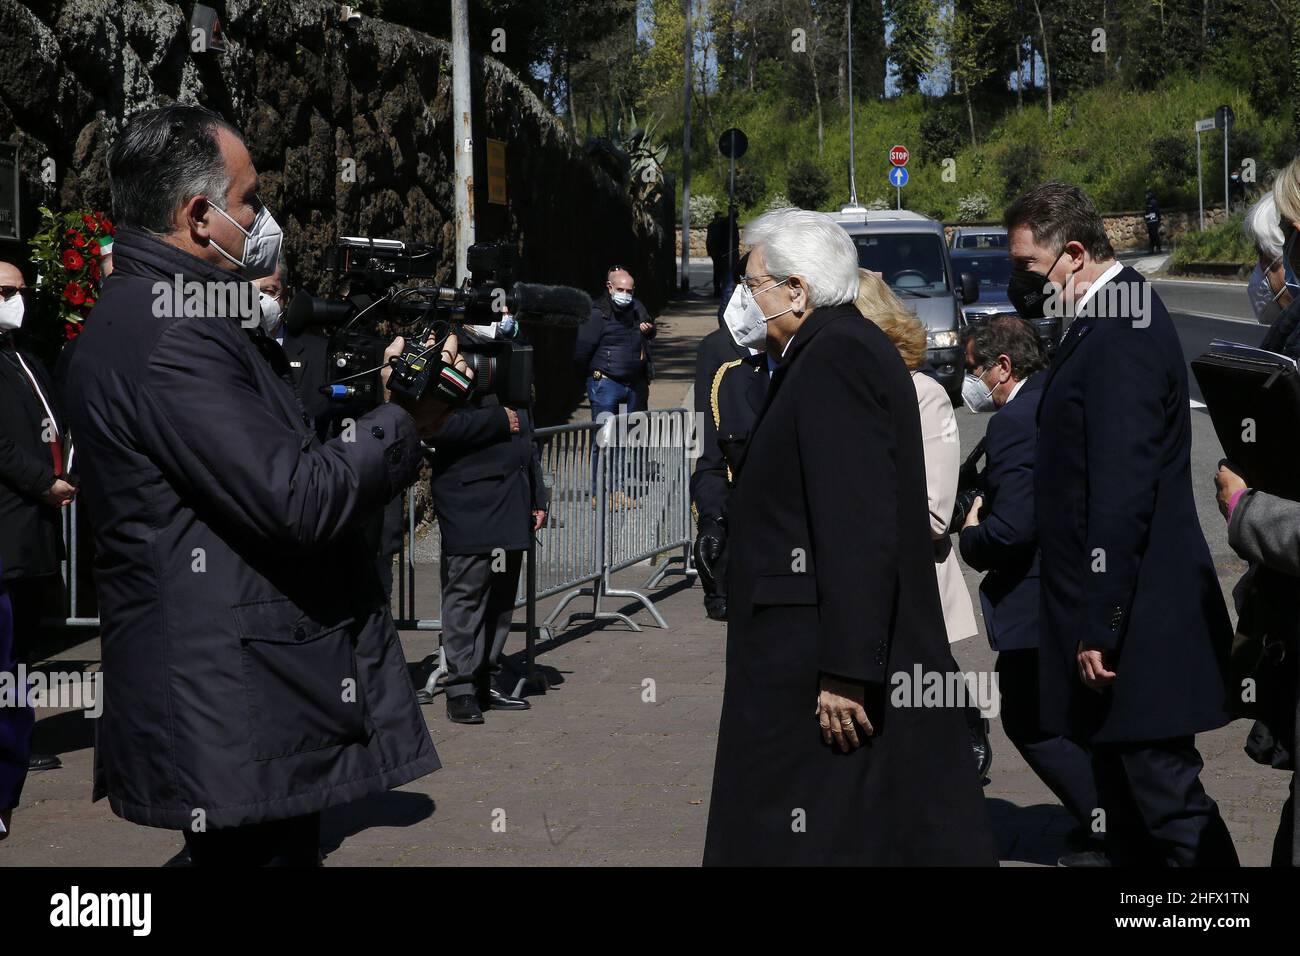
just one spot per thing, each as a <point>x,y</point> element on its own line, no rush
<point>899,155</point>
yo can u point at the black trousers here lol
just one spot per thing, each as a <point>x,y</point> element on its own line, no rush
<point>1063,764</point>
<point>1157,812</point>
<point>478,601</point>
<point>294,841</point>
<point>28,596</point>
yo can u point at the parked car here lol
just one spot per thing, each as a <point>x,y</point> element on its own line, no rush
<point>908,250</point>
<point>991,267</point>
<point>978,237</point>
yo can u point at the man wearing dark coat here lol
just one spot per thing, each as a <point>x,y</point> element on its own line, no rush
<point>825,755</point>
<point>487,482</point>
<point>35,455</point>
<point>730,385</point>
<point>256,674</point>
<point>1000,537</point>
<point>1134,632</point>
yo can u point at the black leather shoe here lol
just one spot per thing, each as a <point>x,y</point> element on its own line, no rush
<point>495,700</point>
<point>1086,858</point>
<point>982,747</point>
<point>464,709</point>
<point>43,762</point>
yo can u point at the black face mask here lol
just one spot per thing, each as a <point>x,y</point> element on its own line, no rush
<point>1029,290</point>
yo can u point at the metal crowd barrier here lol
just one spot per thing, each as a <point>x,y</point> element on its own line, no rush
<point>619,495</point>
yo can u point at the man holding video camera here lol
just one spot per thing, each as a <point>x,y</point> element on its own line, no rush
<point>255,672</point>
<point>999,536</point>
<point>487,485</point>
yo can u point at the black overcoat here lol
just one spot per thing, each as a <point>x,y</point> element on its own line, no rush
<point>251,668</point>
<point>31,531</point>
<point>832,572</point>
<point>1124,564</point>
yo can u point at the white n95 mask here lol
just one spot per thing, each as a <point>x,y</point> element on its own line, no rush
<point>271,314</point>
<point>745,319</point>
<point>11,313</point>
<point>1263,300</point>
<point>261,244</point>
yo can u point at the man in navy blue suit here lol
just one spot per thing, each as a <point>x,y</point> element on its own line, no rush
<point>1000,537</point>
<point>1134,631</point>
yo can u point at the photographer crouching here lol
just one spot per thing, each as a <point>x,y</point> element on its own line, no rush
<point>255,672</point>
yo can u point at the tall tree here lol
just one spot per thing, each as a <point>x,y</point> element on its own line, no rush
<point>912,45</point>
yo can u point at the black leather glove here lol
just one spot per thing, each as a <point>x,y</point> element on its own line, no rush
<point>710,539</point>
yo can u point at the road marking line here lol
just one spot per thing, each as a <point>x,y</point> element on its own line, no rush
<point>1215,316</point>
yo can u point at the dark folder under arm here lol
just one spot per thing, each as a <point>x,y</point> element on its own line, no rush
<point>1253,397</point>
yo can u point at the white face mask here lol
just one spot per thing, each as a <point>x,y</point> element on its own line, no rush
<point>271,314</point>
<point>621,299</point>
<point>1262,297</point>
<point>11,313</point>
<point>261,245</point>
<point>746,320</point>
<point>977,396</point>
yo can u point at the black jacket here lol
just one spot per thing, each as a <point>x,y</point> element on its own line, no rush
<point>831,571</point>
<point>31,532</point>
<point>730,385</point>
<point>1125,566</point>
<point>486,481</point>
<point>1005,543</point>
<point>256,670</point>
<point>612,342</point>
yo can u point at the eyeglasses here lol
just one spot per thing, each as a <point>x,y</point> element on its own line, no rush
<point>9,291</point>
<point>749,281</point>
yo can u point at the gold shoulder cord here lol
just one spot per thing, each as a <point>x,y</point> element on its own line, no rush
<point>713,399</point>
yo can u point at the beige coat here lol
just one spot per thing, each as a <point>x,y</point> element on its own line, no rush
<point>942,461</point>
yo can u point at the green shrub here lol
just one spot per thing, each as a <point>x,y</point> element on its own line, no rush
<point>807,184</point>
<point>1224,242</point>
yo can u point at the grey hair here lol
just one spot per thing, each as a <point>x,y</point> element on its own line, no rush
<point>811,245</point>
<point>1261,227</point>
<point>162,159</point>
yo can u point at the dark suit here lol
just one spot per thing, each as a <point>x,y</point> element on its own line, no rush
<point>1125,568</point>
<point>15,722</point>
<point>1005,544</point>
<point>31,531</point>
<point>486,484</point>
<point>730,385</point>
<point>832,573</point>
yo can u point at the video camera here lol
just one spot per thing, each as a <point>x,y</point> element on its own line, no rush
<point>970,485</point>
<point>384,277</point>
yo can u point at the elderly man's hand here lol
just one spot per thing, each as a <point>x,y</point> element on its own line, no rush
<point>1226,484</point>
<point>840,712</point>
<point>59,494</point>
<point>1094,668</point>
<point>430,411</point>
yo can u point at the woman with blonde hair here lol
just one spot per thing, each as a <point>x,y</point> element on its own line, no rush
<point>942,444</point>
<point>942,449</point>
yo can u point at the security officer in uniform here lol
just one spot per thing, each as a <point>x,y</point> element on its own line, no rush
<point>730,387</point>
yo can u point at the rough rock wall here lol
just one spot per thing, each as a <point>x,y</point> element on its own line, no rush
<point>309,95</point>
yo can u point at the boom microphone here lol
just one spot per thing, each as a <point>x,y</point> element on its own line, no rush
<point>556,305</point>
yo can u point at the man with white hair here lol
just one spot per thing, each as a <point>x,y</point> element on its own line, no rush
<point>832,593</point>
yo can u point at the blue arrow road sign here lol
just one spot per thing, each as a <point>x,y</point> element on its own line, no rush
<point>898,176</point>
